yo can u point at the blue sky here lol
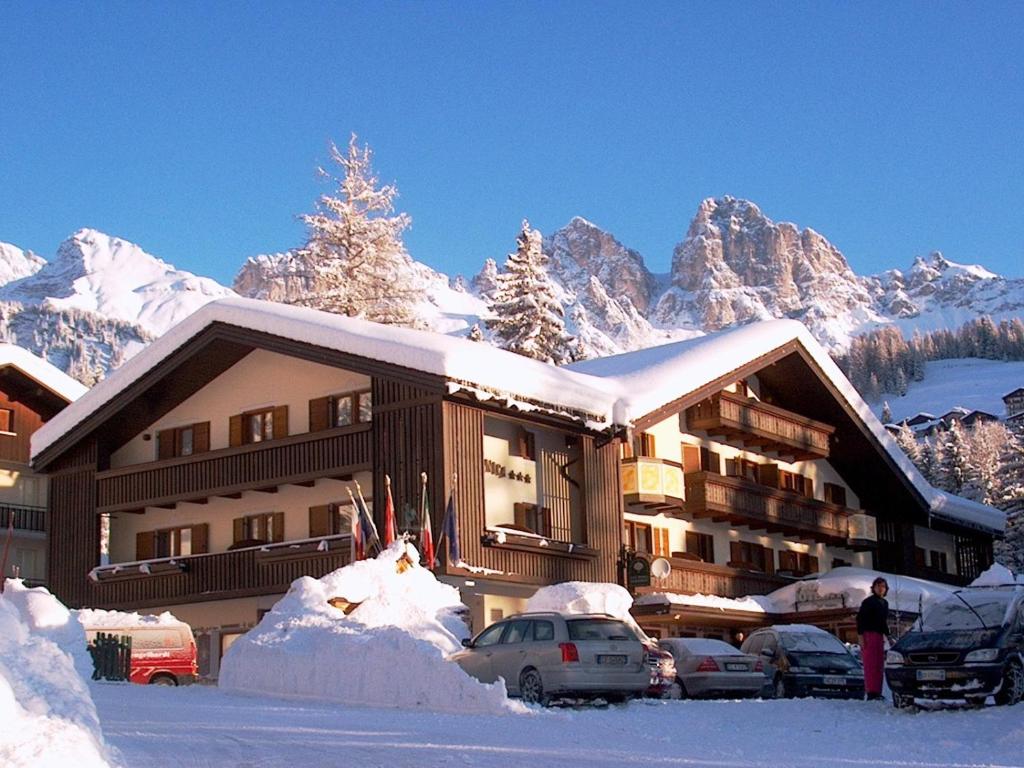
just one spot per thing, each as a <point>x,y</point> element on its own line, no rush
<point>195,129</point>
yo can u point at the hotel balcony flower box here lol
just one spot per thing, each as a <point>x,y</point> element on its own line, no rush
<point>759,425</point>
<point>739,501</point>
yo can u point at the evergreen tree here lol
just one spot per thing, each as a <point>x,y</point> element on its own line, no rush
<point>355,250</point>
<point>527,316</point>
<point>886,413</point>
<point>953,470</point>
<point>475,334</point>
<point>486,281</point>
<point>1010,551</point>
<point>907,440</point>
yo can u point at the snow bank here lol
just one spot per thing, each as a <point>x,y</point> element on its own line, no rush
<point>848,586</point>
<point>47,717</point>
<point>997,576</point>
<point>583,597</point>
<point>390,651</point>
<point>95,618</point>
<point>751,604</point>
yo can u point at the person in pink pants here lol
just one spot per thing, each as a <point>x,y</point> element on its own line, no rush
<point>872,629</point>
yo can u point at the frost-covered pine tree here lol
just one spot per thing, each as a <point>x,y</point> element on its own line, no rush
<point>907,440</point>
<point>953,470</point>
<point>1010,551</point>
<point>886,413</point>
<point>486,280</point>
<point>986,455</point>
<point>527,316</point>
<point>355,250</point>
<point>475,334</point>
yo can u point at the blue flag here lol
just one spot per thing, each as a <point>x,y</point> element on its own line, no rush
<point>450,530</point>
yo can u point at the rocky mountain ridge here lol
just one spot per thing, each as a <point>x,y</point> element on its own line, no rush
<point>733,266</point>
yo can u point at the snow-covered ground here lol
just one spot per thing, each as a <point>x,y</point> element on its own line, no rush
<point>200,726</point>
<point>971,383</point>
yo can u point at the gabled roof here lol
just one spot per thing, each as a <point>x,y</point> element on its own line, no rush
<point>1016,393</point>
<point>613,391</point>
<point>55,386</point>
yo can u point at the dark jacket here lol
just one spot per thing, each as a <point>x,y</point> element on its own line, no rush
<point>873,616</point>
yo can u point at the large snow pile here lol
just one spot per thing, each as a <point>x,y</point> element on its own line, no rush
<point>95,618</point>
<point>390,651</point>
<point>997,576</point>
<point>848,586</point>
<point>582,597</point>
<point>47,717</point>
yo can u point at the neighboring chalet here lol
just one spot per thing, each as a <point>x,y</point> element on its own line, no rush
<point>213,468</point>
<point>1014,405</point>
<point>753,462</point>
<point>31,392</point>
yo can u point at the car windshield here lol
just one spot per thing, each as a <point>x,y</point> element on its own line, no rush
<point>967,610</point>
<point>599,629</point>
<point>829,659</point>
<point>811,642</point>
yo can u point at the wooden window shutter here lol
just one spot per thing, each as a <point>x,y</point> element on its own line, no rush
<point>768,560</point>
<point>520,514</point>
<point>278,523</point>
<point>280,421</point>
<point>238,530</point>
<point>691,458</point>
<point>787,560</point>
<point>692,543</point>
<point>812,564</point>
<point>919,557</point>
<point>200,538</point>
<point>648,444</point>
<point>768,474</point>
<point>201,437</point>
<point>732,468</point>
<point>713,462</point>
<point>736,551</point>
<point>144,545</point>
<point>165,444</point>
<point>320,521</point>
<point>319,414</point>
<point>661,542</point>
<point>544,522</point>
<point>235,430</point>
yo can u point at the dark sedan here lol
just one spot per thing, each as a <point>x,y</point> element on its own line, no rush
<point>803,660</point>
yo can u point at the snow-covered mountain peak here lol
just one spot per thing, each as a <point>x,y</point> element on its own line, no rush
<point>16,263</point>
<point>96,272</point>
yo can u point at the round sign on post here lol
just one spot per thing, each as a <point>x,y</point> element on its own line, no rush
<point>661,568</point>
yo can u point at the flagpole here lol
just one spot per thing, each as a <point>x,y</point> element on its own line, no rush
<point>354,524</point>
<point>365,510</point>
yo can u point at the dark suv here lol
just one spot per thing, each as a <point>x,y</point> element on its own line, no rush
<point>966,648</point>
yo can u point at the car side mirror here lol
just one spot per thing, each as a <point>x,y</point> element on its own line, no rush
<point>768,653</point>
<point>467,642</point>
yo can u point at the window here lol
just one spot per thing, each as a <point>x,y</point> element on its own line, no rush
<point>340,410</point>
<point>259,426</point>
<point>702,545</point>
<point>264,528</point>
<point>643,444</point>
<point>330,519</point>
<point>700,459</point>
<point>543,630</point>
<point>938,561</point>
<point>532,518</point>
<point>743,468</point>
<point>638,536</point>
<point>751,557</point>
<point>517,631</point>
<point>183,441</point>
<point>835,494</point>
<point>797,563</point>
<point>489,636</point>
<point>6,420</point>
<point>172,542</point>
<point>661,539</point>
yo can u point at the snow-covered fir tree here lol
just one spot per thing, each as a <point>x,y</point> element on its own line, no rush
<point>886,413</point>
<point>355,247</point>
<point>486,280</point>
<point>953,470</point>
<point>1010,551</point>
<point>907,440</point>
<point>475,334</point>
<point>527,316</point>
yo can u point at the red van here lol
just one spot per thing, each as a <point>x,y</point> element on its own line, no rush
<point>162,654</point>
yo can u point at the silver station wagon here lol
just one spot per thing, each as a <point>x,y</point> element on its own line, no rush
<point>547,656</point>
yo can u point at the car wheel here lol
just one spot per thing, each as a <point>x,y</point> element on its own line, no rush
<point>531,687</point>
<point>1012,690</point>
<point>902,702</point>
<point>162,680</point>
<point>780,691</point>
<point>677,690</point>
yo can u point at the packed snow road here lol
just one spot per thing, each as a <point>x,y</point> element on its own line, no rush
<point>153,726</point>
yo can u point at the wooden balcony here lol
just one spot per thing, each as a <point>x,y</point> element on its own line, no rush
<point>655,485</point>
<point>739,501</point>
<point>734,418</point>
<point>693,577</point>
<point>296,459</point>
<point>25,518</point>
<point>245,572</point>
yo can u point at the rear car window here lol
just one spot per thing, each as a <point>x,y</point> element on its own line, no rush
<point>706,646</point>
<point>543,630</point>
<point>599,629</point>
<point>517,631</point>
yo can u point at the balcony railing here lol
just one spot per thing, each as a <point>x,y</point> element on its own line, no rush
<point>743,502</point>
<point>654,483</point>
<point>241,573</point>
<point>691,577</point>
<point>25,518</point>
<point>299,458</point>
<point>759,425</point>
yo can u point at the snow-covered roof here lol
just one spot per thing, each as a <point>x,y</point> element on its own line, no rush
<point>42,372</point>
<point>615,390</point>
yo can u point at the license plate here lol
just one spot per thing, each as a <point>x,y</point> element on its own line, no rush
<point>620,660</point>
<point>830,680</point>
<point>931,674</point>
<point>736,667</point>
